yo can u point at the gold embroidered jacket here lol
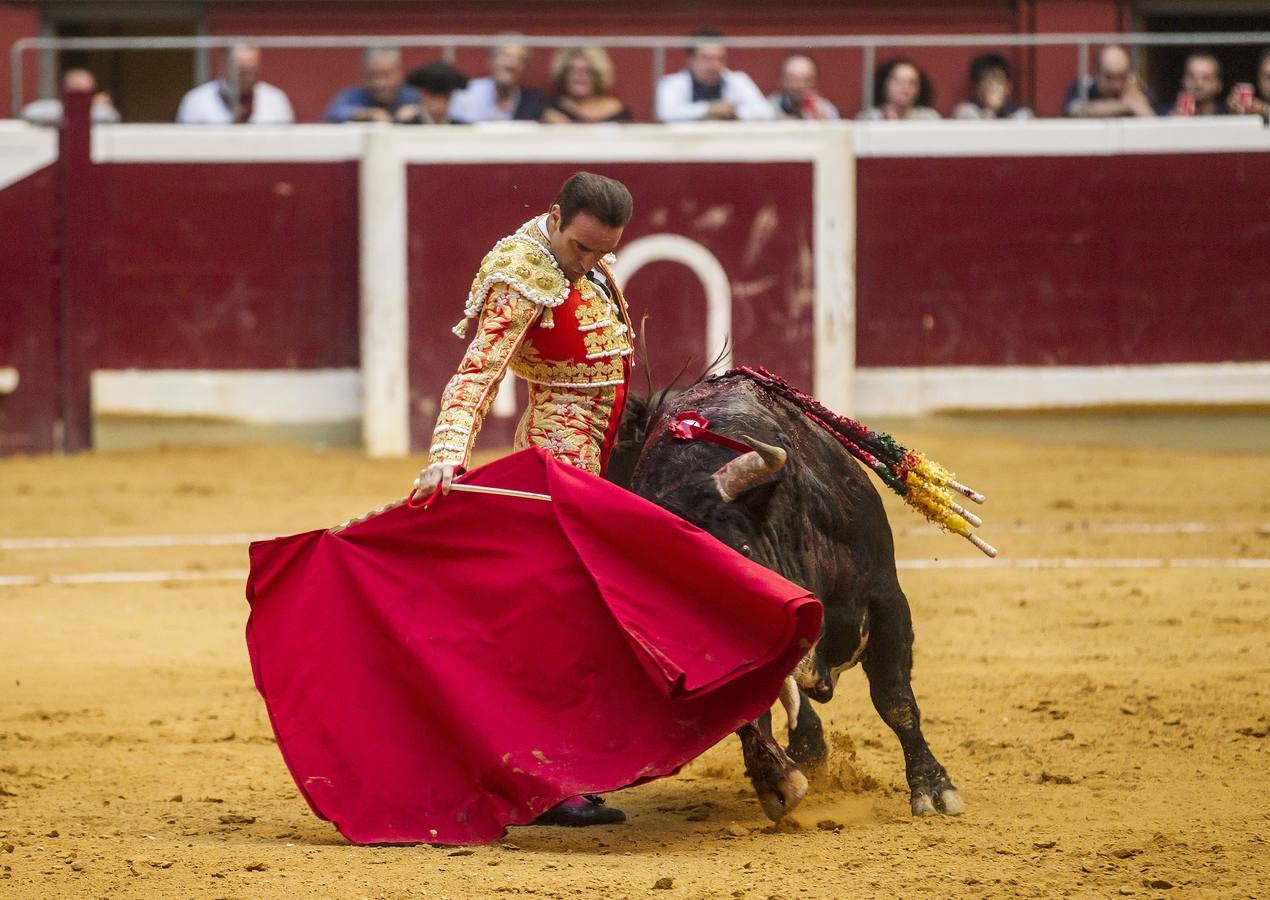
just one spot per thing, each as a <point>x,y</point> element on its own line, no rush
<point>570,341</point>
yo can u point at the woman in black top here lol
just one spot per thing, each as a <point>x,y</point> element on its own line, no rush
<point>583,77</point>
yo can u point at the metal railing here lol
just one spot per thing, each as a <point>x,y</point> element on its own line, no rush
<point>657,44</point>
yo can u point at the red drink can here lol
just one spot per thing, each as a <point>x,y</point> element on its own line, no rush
<point>1185,105</point>
<point>1243,97</point>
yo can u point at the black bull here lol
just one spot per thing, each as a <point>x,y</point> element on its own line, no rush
<point>800,505</point>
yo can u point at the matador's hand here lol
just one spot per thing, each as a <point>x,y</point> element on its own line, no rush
<point>437,473</point>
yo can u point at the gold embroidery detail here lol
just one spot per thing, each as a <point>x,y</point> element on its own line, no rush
<point>504,321</point>
<point>521,262</point>
<point>570,402</point>
<point>594,308</point>
<point>569,423</point>
<point>530,366</point>
<point>604,342</point>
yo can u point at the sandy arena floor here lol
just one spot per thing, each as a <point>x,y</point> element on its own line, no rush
<point>1100,694</point>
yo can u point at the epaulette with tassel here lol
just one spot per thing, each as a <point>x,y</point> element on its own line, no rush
<point>524,264</point>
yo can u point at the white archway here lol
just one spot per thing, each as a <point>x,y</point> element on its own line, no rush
<point>709,271</point>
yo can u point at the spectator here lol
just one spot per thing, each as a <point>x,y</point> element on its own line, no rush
<point>1254,99</point>
<point>583,77</point>
<point>708,89</point>
<point>382,97</point>
<point>1201,87</point>
<point>49,110</point>
<point>215,103</point>
<point>436,83</point>
<point>991,87</point>
<point>500,97</point>
<point>798,98</point>
<point>900,91</point>
<point>1113,92</point>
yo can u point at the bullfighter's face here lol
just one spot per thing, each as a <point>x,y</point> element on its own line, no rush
<point>580,245</point>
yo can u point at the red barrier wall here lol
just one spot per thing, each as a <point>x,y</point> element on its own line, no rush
<point>206,266</point>
<point>756,218</point>
<point>28,324</point>
<point>1063,260</point>
<point>18,21</point>
<point>1021,261</point>
<point>220,266</point>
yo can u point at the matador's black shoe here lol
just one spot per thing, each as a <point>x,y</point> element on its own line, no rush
<point>578,812</point>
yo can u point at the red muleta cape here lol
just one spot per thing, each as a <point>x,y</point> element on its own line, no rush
<point>439,673</point>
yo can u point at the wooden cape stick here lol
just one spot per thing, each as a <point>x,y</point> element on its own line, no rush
<point>501,492</point>
<point>470,488</point>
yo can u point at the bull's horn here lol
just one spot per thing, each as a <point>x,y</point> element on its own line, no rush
<point>738,476</point>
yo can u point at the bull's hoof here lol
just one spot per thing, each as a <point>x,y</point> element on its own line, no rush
<point>923,805</point>
<point>932,791</point>
<point>950,803</point>
<point>807,748</point>
<point>946,801</point>
<point>779,799</point>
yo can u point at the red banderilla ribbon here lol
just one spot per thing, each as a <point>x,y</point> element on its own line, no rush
<point>692,425</point>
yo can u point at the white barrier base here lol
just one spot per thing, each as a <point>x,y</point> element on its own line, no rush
<point>902,391</point>
<point>316,396</point>
<point>283,396</point>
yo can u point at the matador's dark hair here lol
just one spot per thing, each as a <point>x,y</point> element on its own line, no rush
<point>608,200</point>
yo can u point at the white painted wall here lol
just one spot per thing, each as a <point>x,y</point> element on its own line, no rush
<point>258,396</point>
<point>24,150</point>
<point>904,391</point>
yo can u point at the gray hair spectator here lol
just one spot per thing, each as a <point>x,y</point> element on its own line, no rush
<point>1113,92</point>
<point>383,97</point>
<point>1253,99</point>
<point>48,111</point>
<point>436,83</point>
<point>991,90</point>
<point>583,79</point>
<point>798,97</point>
<point>1201,93</point>
<point>707,89</point>
<point>500,97</point>
<point>901,91</point>
<point>238,96</point>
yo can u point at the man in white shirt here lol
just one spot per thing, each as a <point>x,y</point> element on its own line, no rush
<point>256,102</point>
<point>798,97</point>
<point>708,90</point>
<point>500,97</point>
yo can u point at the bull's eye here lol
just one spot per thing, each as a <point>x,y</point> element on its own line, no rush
<point>747,551</point>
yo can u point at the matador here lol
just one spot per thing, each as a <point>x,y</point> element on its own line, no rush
<point>546,305</point>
